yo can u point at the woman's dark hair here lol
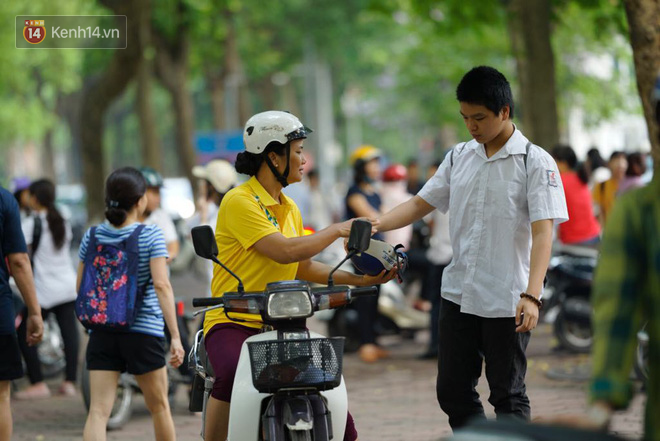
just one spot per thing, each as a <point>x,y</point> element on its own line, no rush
<point>617,154</point>
<point>44,192</point>
<point>360,172</point>
<point>123,189</point>
<point>565,153</point>
<point>595,160</point>
<point>636,164</point>
<point>486,86</point>
<point>249,163</point>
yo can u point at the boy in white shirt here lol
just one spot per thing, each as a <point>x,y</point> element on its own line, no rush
<point>503,194</point>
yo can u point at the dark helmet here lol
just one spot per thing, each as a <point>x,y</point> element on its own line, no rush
<point>153,178</point>
<point>380,256</point>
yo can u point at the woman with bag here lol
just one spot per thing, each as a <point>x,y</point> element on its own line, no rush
<point>48,235</point>
<point>138,348</point>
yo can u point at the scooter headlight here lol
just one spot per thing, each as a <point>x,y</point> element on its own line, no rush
<point>288,300</point>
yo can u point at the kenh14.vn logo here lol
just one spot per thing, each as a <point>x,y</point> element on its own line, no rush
<point>34,31</point>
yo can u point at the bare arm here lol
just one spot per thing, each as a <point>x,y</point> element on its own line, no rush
<point>361,207</point>
<point>286,250</point>
<point>317,272</point>
<point>404,214</point>
<point>22,272</point>
<point>172,250</point>
<point>539,260</point>
<point>166,299</point>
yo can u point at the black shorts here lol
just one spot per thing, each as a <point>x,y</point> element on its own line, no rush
<point>125,352</point>
<point>11,366</point>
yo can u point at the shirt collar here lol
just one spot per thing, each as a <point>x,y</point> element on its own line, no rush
<point>264,196</point>
<point>515,145</point>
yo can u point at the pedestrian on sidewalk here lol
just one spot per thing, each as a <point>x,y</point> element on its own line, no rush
<point>503,194</point>
<point>48,235</point>
<point>140,350</point>
<point>13,255</point>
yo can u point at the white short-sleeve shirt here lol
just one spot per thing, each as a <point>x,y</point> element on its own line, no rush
<point>492,203</point>
<point>163,220</point>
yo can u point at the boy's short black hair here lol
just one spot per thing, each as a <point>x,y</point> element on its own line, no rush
<point>486,86</point>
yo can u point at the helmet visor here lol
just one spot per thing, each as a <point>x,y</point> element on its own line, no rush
<point>300,133</point>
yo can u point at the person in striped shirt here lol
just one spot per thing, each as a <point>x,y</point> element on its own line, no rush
<point>141,350</point>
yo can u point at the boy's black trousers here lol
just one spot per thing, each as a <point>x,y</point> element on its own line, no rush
<point>465,341</point>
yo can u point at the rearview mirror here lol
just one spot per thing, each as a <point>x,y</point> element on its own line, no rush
<point>204,242</point>
<point>360,236</point>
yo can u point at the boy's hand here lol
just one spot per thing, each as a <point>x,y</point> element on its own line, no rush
<point>530,315</point>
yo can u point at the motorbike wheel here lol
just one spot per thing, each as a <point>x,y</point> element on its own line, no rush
<point>123,407</point>
<point>574,336</point>
<point>300,435</point>
<point>344,324</point>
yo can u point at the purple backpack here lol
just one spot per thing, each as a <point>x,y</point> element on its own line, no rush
<point>109,296</point>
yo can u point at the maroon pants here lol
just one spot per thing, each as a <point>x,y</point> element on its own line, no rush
<point>223,346</point>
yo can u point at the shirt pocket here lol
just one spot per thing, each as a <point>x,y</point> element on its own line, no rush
<point>505,199</point>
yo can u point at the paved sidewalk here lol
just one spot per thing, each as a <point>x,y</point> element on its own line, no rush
<point>393,400</point>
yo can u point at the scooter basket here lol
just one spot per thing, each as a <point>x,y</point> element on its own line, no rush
<point>312,362</point>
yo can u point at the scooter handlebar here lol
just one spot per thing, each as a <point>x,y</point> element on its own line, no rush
<point>364,291</point>
<point>207,301</point>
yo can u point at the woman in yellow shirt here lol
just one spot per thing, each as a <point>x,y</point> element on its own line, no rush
<point>259,234</point>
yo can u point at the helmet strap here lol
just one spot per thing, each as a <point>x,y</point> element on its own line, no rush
<point>281,178</point>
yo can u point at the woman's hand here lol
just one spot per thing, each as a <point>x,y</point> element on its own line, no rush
<point>345,227</point>
<point>383,277</point>
<point>176,352</point>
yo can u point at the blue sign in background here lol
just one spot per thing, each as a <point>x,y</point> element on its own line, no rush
<point>219,144</point>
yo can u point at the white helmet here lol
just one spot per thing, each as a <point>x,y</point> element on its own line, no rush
<point>273,125</point>
<point>219,173</point>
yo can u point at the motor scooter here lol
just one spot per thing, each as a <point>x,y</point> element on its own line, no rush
<point>567,296</point>
<point>288,383</point>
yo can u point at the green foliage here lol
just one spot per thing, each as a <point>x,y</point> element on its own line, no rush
<point>594,61</point>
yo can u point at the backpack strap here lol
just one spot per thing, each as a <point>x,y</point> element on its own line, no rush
<point>527,148</point>
<point>133,240</point>
<point>91,244</point>
<point>36,236</point>
<point>451,157</point>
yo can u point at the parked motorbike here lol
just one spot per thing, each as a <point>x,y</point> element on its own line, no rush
<point>51,347</point>
<point>395,315</point>
<point>289,383</point>
<point>567,296</point>
<point>642,356</point>
<point>127,386</point>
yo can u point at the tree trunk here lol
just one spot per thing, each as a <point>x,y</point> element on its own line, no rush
<point>217,88</point>
<point>151,151</point>
<point>49,156</point>
<point>267,93</point>
<point>529,30</point>
<point>98,95</point>
<point>172,71</point>
<point>644,25</point>
<point>68,108</point>
<point>290,98</point>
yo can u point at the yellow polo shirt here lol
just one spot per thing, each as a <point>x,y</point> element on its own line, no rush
<point>248,213</point>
